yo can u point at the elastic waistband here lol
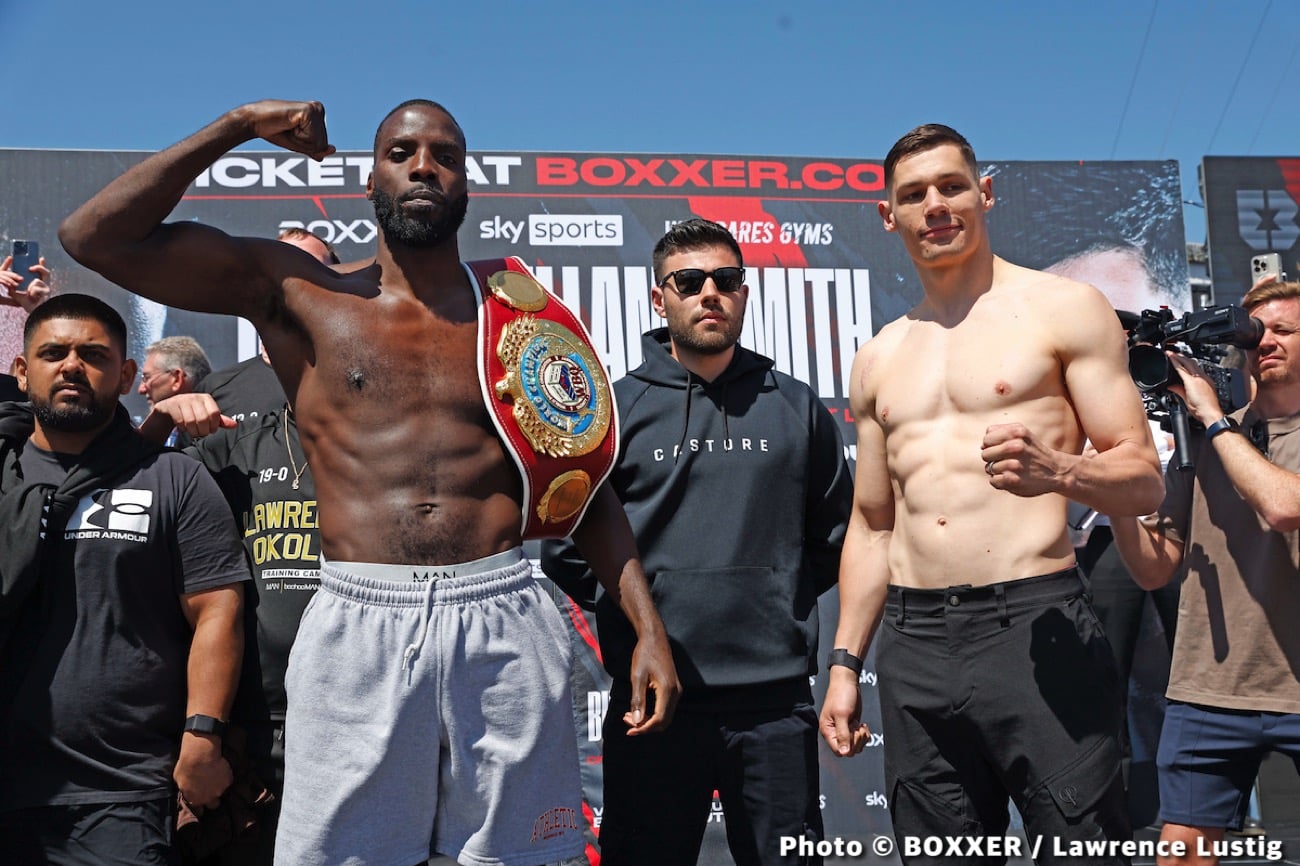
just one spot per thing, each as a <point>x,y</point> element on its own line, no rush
<point>398,573</point>
<point>1043,588</point>
<point>412,585</point>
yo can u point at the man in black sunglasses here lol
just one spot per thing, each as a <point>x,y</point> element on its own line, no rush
<point>736,485</point>
<point>995,678</point>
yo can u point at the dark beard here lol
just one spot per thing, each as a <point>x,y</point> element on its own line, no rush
<point>684,335</point>
<point>712,344</point>
<point>76,418</point>
<point>402,231</point>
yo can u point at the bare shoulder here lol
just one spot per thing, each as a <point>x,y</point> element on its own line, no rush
<point>307,303</point>
<point>1039,288</point>
<point>886,341</point>
<point>882,346</point>
<point>872,358</point>
<point>281,261</point>
<point>1058,304</point>
<point>302,281</point>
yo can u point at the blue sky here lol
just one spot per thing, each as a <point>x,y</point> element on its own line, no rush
<point>1142,79</point>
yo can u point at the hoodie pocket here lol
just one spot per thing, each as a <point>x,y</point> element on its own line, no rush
<point>733,626</point>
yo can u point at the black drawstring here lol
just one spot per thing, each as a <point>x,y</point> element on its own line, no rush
<point>686,419</point>
<point>726,430</point>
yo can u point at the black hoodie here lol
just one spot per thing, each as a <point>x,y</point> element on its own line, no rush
<point>30,511</point>
<point>738,493</point>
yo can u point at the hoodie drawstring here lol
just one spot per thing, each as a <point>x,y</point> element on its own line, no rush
<point>686,417</point>
<point>726,429</point>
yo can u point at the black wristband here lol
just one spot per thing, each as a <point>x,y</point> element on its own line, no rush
<point>201,724</point>
<point>844,658</point>
<point>1222,425</point>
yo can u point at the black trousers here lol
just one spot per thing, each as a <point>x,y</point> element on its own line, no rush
<point>1118,600</point>
<point>659,787</point>
<point>1007,690</point>
<point>97,834</point>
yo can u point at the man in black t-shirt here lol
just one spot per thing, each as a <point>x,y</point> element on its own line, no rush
<point>245,390</point>
<point>263,473</point>
<point>122,606</point>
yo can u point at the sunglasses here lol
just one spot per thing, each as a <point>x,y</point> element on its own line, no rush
<point>690,281</point>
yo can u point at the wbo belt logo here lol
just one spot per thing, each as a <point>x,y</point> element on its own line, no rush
<point>554,381</point>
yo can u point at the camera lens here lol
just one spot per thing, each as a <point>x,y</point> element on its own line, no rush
<point>1149,367</point>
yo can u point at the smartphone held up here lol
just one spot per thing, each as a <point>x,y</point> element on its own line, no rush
<point>1266,265</point>
<point>27,254</point>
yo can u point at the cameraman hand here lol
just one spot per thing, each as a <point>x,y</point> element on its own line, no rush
<point>1197,391</point>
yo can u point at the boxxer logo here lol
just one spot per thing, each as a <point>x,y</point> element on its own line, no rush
<point>1266,219</point>
<point>336,231</point>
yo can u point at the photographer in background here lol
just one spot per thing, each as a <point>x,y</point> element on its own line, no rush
<point>1232,525</point>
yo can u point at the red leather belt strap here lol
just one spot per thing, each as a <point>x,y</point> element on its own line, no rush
<point>547,393</point>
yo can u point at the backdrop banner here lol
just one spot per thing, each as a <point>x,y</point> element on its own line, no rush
<point>1251,208</point>
<point>823,277</point>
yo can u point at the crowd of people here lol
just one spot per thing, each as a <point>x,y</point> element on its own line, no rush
<point>287,617</point>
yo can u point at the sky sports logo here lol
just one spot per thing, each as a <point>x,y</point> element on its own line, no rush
<point>584,230</point>
<point>553,230</point>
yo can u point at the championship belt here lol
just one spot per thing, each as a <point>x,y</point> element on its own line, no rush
<point>547,393</point>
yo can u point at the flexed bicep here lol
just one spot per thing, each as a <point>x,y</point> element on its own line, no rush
<point>120,232</point>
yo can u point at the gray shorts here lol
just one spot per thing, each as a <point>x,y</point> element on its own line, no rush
<point>430,716</point>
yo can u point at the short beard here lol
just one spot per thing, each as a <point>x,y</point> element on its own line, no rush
<point>1274,376</point>
<point>402,231</point>
<point>707,343</point>
<point>75,418</point>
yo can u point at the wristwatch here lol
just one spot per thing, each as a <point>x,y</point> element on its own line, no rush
<point>844,658</point>
<point>1224,423</point>
<point>201,724</point>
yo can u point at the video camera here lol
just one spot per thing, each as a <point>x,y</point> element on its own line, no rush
<point>1203,335</point>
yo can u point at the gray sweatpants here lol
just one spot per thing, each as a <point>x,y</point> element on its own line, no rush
<point>430,716</point>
